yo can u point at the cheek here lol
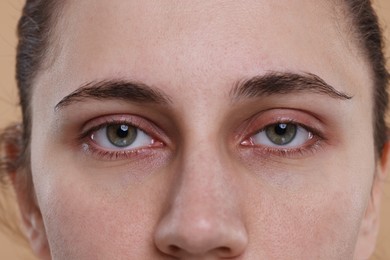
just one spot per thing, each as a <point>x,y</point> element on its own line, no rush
<point>86,224</point>
<point>96,219</point>
<point>319,219</point>
<point>308,228</point>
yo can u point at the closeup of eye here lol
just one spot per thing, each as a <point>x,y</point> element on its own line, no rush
<point>286,135</point>
<point>121,136</point>
<point>285,138</point>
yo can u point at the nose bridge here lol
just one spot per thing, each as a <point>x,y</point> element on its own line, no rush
<point>202,166</point>
<point>204,216</point>
<point>204,178</point>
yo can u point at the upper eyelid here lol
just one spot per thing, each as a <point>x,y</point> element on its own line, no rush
<point>307,128</point>
<point>313,132</point>
<point>141,123</point>
<point>263,119</point>
<point>85,132</point>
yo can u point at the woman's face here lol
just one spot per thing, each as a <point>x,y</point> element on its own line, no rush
<point>203,130</point>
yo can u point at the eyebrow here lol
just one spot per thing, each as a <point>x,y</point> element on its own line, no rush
<point>115,90</point>
<point>274,83</point>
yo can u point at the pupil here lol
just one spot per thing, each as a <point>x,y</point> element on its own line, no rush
<point>281,129</point>
<point>122,131</point>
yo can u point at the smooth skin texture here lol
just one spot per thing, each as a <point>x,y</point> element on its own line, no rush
<point>201,183</point>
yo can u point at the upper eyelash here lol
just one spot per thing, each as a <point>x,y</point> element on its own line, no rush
<point>318,139</point>
<point>283,152</point>
<point>312,130</point>
<point>89,131</point>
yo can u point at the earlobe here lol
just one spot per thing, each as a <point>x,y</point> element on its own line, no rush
<point>22,184</point>
<point>31,217</point>
<point>370,224</point>
<point>36,234</point>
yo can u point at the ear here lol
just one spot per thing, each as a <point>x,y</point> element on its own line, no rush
<point>369,228</point>
<point>33,226</point>
<point>35,232</point>
<point>21,180</point>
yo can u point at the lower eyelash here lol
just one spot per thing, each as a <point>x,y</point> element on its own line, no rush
<point>100,154</point>
<point>304,151</point>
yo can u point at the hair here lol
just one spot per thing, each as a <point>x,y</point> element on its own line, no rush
<point>35,33</point>
<point>370,40</point>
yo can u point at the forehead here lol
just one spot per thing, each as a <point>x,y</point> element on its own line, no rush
<point>191,43</point>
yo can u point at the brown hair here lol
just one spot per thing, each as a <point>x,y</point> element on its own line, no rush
<point>35,31</point>
<point>370,39</point>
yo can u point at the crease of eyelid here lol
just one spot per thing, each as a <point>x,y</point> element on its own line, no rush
<point>113,89</point>
<point>274,83</point>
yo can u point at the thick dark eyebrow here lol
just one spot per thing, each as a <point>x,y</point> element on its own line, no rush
<point>114,90</point>
<point>274,83</point>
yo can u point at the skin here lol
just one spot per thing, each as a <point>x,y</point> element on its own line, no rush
<point>204,189</point>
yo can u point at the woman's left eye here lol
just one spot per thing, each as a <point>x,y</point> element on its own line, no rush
<point>283,135</point>
<point>120,137</point>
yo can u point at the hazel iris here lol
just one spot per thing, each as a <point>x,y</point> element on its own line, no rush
<point>121,135</point>
<point>281,134</point>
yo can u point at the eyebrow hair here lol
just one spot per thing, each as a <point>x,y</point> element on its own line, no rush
<point>274,83</point>
<point>111,89</point>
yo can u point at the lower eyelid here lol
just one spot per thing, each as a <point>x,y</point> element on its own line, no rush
<point>100,154</point>
<point>293,153</point>
<point>312,144</point>
<point>95,151</point>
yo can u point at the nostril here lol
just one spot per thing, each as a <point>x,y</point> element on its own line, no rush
<point>220,251</point>
<point>174,249</point>
<point>195,240</point>
<point>224,251</point>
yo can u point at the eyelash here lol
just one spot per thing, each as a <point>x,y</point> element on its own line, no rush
<point>90,146</point>
<point>310,147</point>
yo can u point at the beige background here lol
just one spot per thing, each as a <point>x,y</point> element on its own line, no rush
<point>9,14</point>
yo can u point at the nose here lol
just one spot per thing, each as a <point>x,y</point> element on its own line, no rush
<point>203,220</point>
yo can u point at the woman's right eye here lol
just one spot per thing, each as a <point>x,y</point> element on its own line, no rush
<point>121,137</point>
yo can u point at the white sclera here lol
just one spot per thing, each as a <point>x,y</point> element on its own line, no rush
<point>300,138</point>
<point>141,140</point>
